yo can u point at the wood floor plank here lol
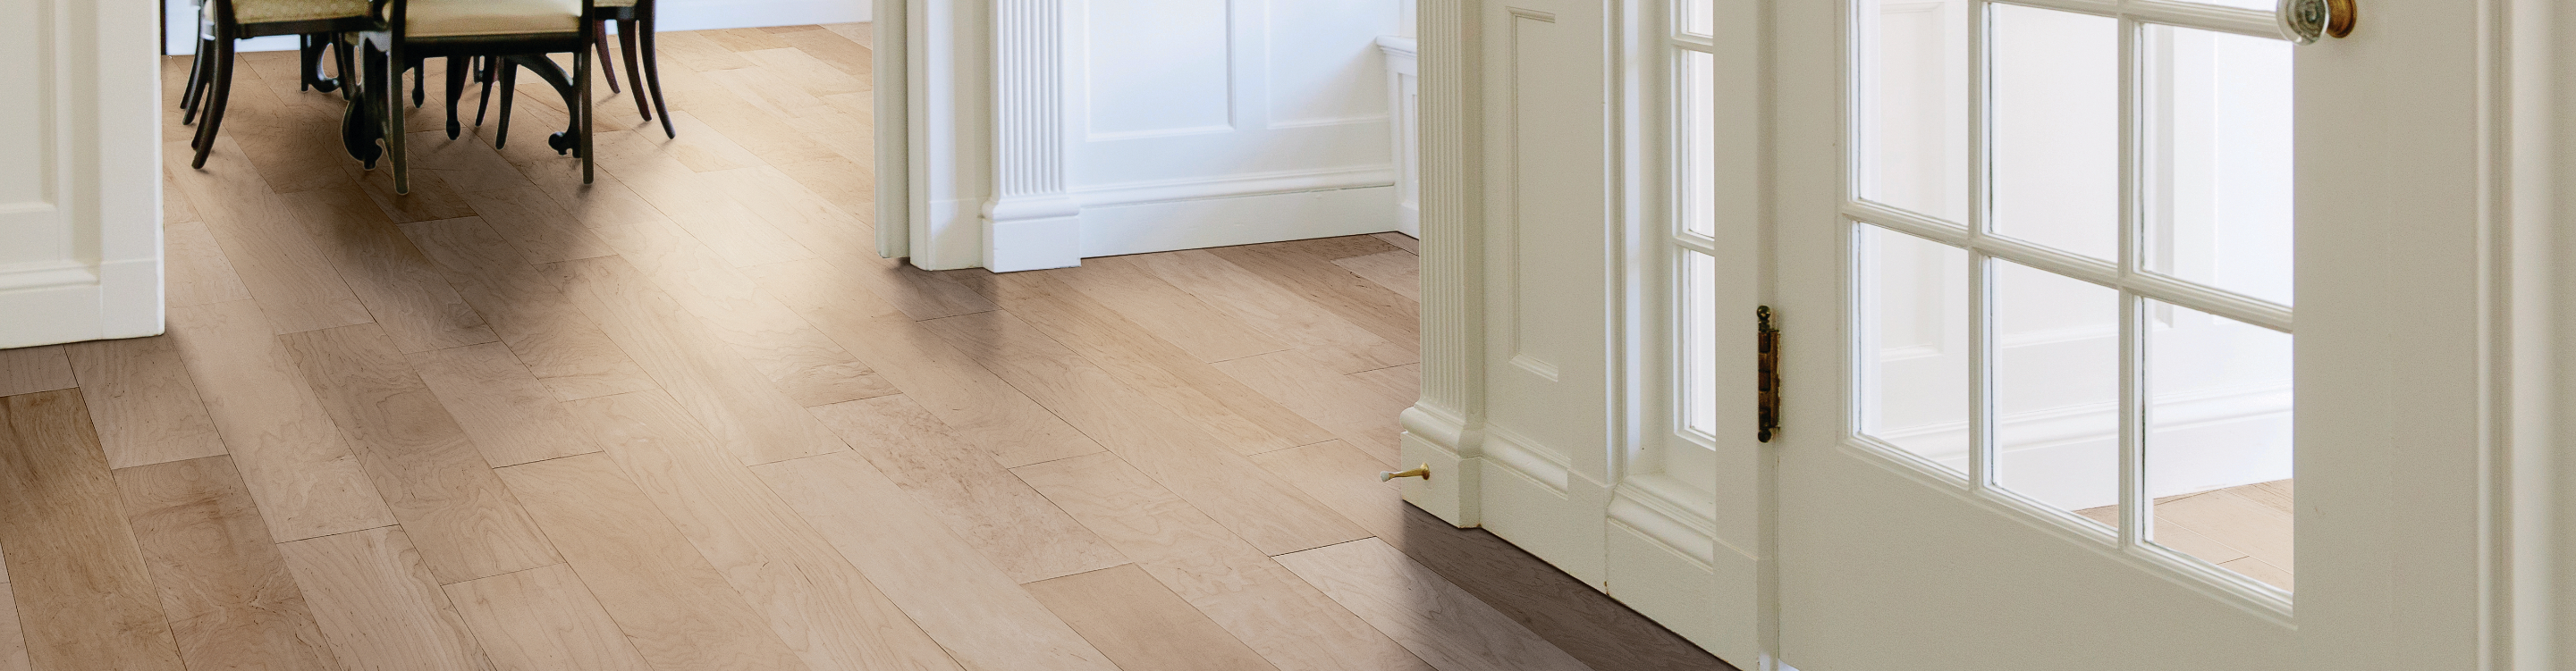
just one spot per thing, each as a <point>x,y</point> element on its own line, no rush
<point>724,393</point>
<point>1284,619</point>
<point>972,401</point>
<point>27,370</point>
<point>543,619</point>
<point>13,642</point>
<point>512,418</point>
<point>431,197</point>
<point>853,59</point>
<point>224,586</point>
<point>307,481</point>
<point>261,234</point>
<point>744,122</point>
<point>293,142</point>
<point>379,605</point>
<point>849,183</point>
<point>1168,447</point>
<point>2224,516</point>
<point>463,520</point>
<point>1362,410</point>
<point>1577,618</point>
<point>815,600</point>
<point>401,287</point>
<point>175,208</point>
<point>742,238</point>
<point>1391,591</point>
<point>666,598</point>
<point>1277,312</point>
<point>960,598</point>
<point>1304,267</point>
<point>771,91</point>
<point>699,146</point>
<point>1397,271</point>
<point>194,269</point>
<point>816,223</point>
<point>562,347</point>
<point>1140,625</point>
<point>861,32</point>
<point>143,402</point>
<point>954,480</point>
<point>697,51</point>
<point>853,137</point>
<point>542,228</point>
<point>1129,285</point>
<point>1401,241</point>
<point>805,364</point>
<point>744,39</point>
<point>73,559</point>
<point>1239,417</point>
<point>604,201</point>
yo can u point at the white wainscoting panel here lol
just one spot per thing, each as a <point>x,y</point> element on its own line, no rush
<point>80,181</point>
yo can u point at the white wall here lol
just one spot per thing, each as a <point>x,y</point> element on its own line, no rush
<point>1128,126</point>
<point>180,31</point>
<point>80,181</point>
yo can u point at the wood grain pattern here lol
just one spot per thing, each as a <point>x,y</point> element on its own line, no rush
<point>306,480</point>
<point>972,401</point>
<point>259,232</point>
<point>1142,626</point>
<point>675,608</point>
<point>378,604</point>
<point>1167,447</point>
<point>771,92</point>
<point>541,228</point>
<point>1277,312</point>
<point>1238,417</point>
<point>142,401</point>
<point>13,642</point>
<point>805,364</point>
<point>1400,241</point>
<point>965,602</point>
<point>1419,609</point>
<point>862,33</point>
<point>720,390</point>
<point>852,58</point>
<point>744,39</point>
<point>742,238</point>
<point>194,270</point>
<point>1397,271</point>
<point>1577,618</point>
<point>224,586</point>
<point>1303,266</point>
<point>560,346</point>
<point>463,520</point>
<point>175,208</point>
<point>1247,593</point>
<point>543,619</point>
<point>27,370</point>
<point>404,291</point>
<point>73,560</point>
<point>815,600</point>
<point>961,485</point>
<point>1130,286</point>
<point>511,417</point>
<point>1361,408</point>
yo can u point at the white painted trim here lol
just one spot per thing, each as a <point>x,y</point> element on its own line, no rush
<point>1234,186</point>
<point>1448,422</point>
<point>1031,223</point>
<point>1164,225</point>
<point>1403,102</point>
<point>893,128</point>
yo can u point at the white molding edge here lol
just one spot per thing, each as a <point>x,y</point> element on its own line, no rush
<point>1166,225</point>
<point>1448,421</point>
<point>1233,186</point>
<point>1032,222</point>
<point>891,68</point>
<point>97,190</point>
<point>1404,124</point>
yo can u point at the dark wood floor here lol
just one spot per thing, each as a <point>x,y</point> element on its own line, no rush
<point>684,419</point>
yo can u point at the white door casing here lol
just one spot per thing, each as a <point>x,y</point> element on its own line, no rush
<point>80,181</point>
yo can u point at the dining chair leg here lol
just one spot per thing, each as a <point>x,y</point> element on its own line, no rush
<point>635,76</point>
<point>201,79</point>
<point>196,76</point>
<point>222,93</point>
<point>482,73</point>
<point>393,120</point>
<point>600,28</point>
<point>456,73</point>
<point>653,76</point>
<point>581,70</point>
<point>419,81</point>
<point>348,63</point>
<point>509,90</point>
<point>308,63</point>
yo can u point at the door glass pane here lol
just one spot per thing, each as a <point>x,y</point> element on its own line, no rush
<point>1698,16</point>
<point>2218,448</point>
<point>1698,131</point>
<point>1913,118</point>
<point>2057,389</point>
<point>1699,337</point>
<point>2217,192</point>
<point>1914,345</point>
<point>2056,128</point>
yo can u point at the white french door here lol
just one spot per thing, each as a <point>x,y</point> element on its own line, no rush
<point>2088,309</point>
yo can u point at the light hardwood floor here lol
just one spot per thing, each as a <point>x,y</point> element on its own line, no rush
<point>684,419</point>
<point>2246,528</point>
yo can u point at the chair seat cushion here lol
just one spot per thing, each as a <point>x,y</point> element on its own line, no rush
<point>616,3</point>
<point>467,18</point>
<point>249,12</point>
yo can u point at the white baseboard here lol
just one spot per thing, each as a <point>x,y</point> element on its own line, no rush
<point>675,15</point>
<point>1219,222</point>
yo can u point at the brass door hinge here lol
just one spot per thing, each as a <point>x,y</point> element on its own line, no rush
<point>1767,353</point>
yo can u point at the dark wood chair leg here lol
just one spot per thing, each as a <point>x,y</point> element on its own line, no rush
<point>582,111</point>
<point>482,73</point>
<point>456,73</point>
<point>600,28</point>
<point>626,43</point>
<point>223,89</point>
<point>200,80</point>
<point>348,63</point>
<point>311,56</point>
<point>653,76</point>
<point>196,77</point>
<point>419,82</point>
<point>509,90</point>
<point>393,119</point>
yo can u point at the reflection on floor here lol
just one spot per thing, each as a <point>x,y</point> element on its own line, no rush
<point>685,419</point>
<point>2246,528</point>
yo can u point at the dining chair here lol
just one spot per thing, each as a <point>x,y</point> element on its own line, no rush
<point>224,22</point>
<point>510,31</point>
<point>634,27</point>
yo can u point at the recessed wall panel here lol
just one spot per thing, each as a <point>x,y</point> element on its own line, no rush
<point>1323,62</point>
<point>1156,67</point>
